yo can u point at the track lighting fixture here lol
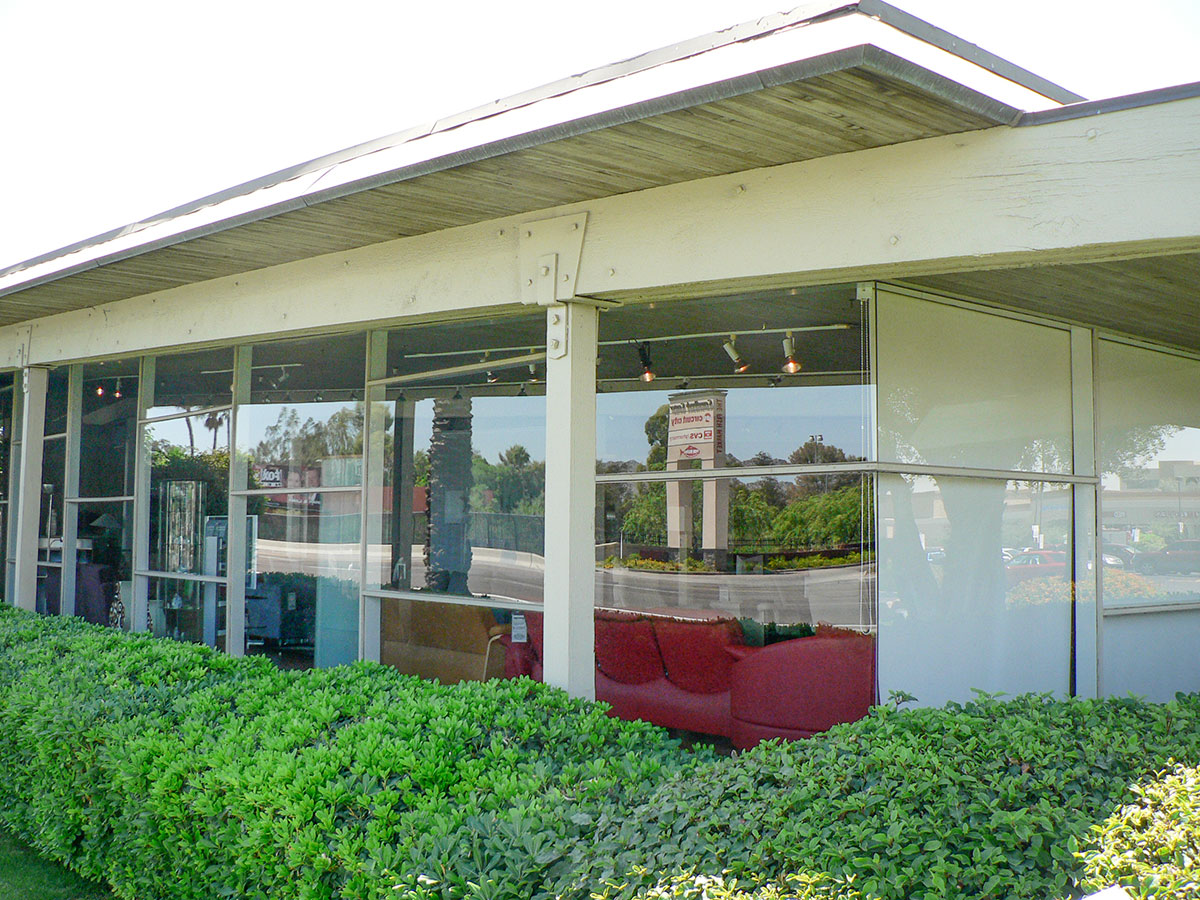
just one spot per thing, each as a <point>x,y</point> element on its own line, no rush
<point>790,365</point>
<point>533,377</point>
<point>99,390</point>
<point>647,366</point>
<point>492,377</point>
<point>522,392</point>
<point>739,365</point>
<point>117,392</point>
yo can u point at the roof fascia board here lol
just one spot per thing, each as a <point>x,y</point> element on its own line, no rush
<point>938,37</point>
<point>865,56</point>
<point>1110,104</point>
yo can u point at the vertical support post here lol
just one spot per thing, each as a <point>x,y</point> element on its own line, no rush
<point>375,553</point>
<point>1088,538</point>
<point>239,480</point>
<point>34,382</point>
<point>14,489</point>
<point>570,582</point>
<point>70,553</point>
<point>139,604</point>
<point>679,515</point>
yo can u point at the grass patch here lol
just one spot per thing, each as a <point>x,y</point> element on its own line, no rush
<point>25,875</point>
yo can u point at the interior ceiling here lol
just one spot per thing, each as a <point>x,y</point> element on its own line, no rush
<point>851,109</point>
<point>1153,298</point>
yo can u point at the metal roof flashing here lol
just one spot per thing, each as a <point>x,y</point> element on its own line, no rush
<point>774,50</point>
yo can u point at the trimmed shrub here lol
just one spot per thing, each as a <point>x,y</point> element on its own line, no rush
<point>1151,846</point>
<point>985,799</point>
<point>171,771</point>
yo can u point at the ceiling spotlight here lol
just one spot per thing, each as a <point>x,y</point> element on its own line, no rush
<point>457,393</point>
<point>739,365</point>
<point>99,390</point>
<point>533,378</point>
<point>492,377</point>
<point>790,365</point>
<point>319,397</point>
<point>117,392</point>
<point>647,366</point>
<point>283,375</point>
<point>522,392</point>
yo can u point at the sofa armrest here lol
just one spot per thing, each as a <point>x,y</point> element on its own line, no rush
<point>742,651</point>
<point>808,684</point>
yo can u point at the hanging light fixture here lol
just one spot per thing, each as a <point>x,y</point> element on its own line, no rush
<point>492,377</point>
<point>99,390</point>
<point>647,366</point>
<point>533,377</point>
<point>739,365</point>
<point>117,392</point>
<point>790,365</point>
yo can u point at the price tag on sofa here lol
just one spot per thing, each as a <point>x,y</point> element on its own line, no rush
<point>520,630</point>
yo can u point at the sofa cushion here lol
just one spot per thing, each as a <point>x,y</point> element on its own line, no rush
<point>693,652</point>
<point>626,650</point>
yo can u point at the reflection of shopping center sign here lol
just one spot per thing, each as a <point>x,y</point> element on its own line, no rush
<point>695,425</point>
<point>269,476</point>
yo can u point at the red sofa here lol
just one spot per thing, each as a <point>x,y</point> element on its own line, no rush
<point>699,675</point>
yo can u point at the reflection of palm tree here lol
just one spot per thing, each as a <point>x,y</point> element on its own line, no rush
<point>213,422</point>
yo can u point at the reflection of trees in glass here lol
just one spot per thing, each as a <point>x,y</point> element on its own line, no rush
<point>809,511</point>
<point>515,483</point>
<point>301,444</point>
<point>831,519</point>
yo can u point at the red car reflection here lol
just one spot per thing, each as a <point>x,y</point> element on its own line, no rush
<point>1036,564</point>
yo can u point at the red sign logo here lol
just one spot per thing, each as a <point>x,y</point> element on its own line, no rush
<point>690,452</point>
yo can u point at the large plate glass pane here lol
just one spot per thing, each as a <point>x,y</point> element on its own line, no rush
<point>189,494</point>
<point>188,611</point>
<point>763,379</point>
<point>104,562</point>
<point>976,585</point>
<point>963,388</point>
<point>449,642</point>
<point>50,517</point>
<point>184,382</point>
<point>108,429</point>
<point>303,426</point>
<point>777,552</point>
<point>303,575</point>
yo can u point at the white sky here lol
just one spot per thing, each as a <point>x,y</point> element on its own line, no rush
<point>112,111</point>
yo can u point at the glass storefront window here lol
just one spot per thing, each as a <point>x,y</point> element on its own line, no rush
<point>959,387</point>
<point>303,426</point>
<point>976,586</point>
<point>108,429</point>
<point>104,562</point>
<point>302,581</point>
<point>50,518</point>
<point>779,551</point>
<point>450,642</point>
<point>189,484</point>
<point>457,487</point>
<point>57,388</point>
<point>1148,412</point>
<point>184,382</point>
<point>788,371</point>
<point>188,611</point>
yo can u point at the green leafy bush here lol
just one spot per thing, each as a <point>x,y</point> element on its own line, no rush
<point>175,772</point>
<point>1151,846</point>
<point>989,799</point>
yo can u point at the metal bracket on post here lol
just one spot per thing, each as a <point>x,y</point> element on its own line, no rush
<point>549,255</point>
<point>549,252</point>
<point>556,333</point>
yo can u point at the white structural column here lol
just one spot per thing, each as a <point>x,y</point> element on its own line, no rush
<point>570,585</point>
<point>29,484</point>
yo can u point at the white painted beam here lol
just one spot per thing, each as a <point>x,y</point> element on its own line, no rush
<point>570,577</point>
<point>1107,186</point>
<point>29,480</point>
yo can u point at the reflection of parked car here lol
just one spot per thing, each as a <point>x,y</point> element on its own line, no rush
<point>1181,557</point>
<point>1125,553</point>
<point>1036,564</point>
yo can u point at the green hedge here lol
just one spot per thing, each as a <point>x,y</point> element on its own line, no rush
<point>175,772</point>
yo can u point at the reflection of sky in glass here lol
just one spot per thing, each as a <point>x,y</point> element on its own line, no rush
<point>497,423</point>
<point>175,431</point>
<point>777,420</point>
